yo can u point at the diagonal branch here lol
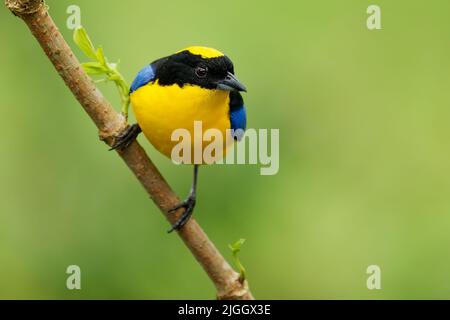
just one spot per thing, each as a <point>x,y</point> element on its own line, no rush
<point>110,123</point>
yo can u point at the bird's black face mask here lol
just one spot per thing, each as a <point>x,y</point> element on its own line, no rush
<point>187,68</point>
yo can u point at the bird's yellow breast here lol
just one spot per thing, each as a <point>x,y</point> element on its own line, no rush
<point>160,110</point>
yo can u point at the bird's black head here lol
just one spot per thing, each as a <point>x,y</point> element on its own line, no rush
<point>214,71</point>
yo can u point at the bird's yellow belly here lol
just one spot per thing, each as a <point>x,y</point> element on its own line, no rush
<point>160,110</point>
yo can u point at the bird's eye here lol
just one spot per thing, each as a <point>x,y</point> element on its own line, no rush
<point>201,72</point>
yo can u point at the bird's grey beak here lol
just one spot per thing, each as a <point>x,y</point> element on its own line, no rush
<point>231,83</point>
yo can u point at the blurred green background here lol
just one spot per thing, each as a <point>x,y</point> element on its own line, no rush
<point>364,166</point>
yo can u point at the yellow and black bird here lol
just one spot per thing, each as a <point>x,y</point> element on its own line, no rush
<point>194,84</point>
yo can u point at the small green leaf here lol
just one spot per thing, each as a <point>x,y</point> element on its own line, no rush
<point>100,66</point>
<point>84,43</point>
<point>93,68</point>
<point>100,56</point>
<point>235,249</point>
<point>114,77</point>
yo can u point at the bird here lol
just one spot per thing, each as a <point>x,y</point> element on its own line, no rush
<point>194,84</point>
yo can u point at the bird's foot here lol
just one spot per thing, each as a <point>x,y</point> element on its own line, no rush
<point>188,205</point>
<point>126,137</point>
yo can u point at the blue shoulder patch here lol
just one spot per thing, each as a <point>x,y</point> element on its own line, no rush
<point>238,120</point>
<point>144,76</point>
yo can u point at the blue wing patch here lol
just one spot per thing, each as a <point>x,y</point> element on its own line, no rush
<point>144,76</point>
<point>238,120</point>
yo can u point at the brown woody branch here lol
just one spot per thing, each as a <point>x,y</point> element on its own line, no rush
<point>110,123</point>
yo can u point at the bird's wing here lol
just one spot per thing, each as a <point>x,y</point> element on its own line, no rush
<point>238,117</point>
<point>144,76</point>
<point>147,74</point>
